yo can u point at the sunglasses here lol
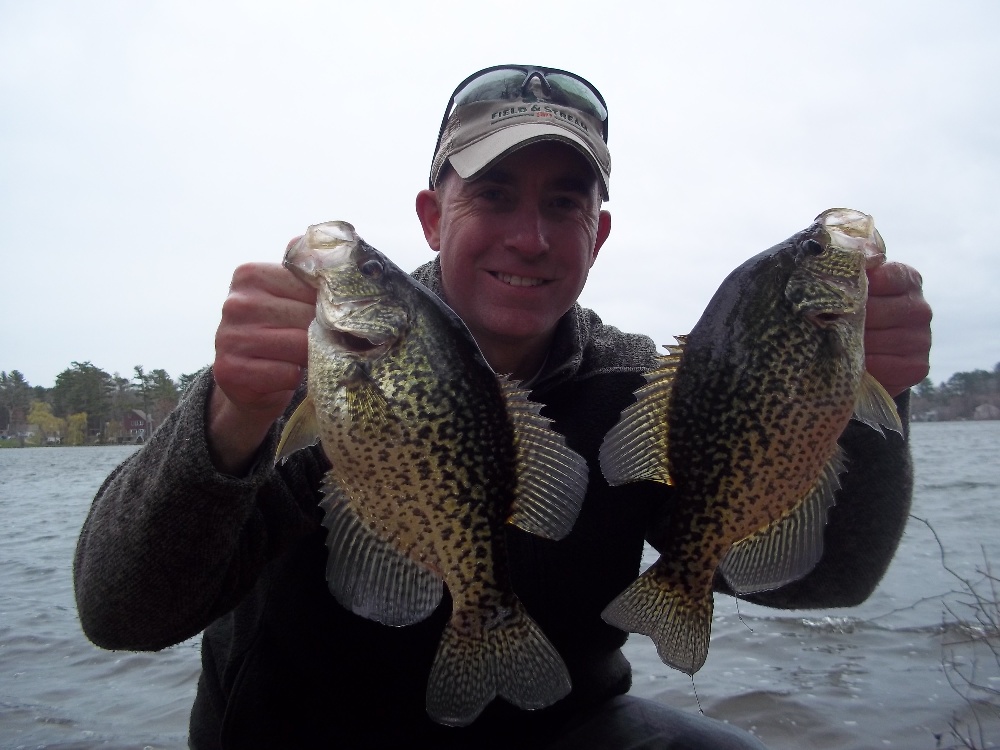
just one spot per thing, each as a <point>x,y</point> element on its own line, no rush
<point>528,82</point>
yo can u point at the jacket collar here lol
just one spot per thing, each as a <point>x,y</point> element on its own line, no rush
<point>565,356</point>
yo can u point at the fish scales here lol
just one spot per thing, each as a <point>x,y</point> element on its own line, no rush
<point>746,412</point>
<point>426,450</point>
<point>431,455</point>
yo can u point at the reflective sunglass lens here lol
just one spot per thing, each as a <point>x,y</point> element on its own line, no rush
<point>578,93</point>
<point>508,83</point>
<point>497,84</point>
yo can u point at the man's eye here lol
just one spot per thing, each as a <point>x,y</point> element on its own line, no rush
<point>564,203</point>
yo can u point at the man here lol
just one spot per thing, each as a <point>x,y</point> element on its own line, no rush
<point>199,529</point>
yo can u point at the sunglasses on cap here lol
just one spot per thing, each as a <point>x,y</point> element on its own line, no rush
<point>528,82</point>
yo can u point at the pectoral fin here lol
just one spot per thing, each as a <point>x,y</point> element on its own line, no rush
<point>875,407</point>
<point>301,431</point>
<point>367,404</point>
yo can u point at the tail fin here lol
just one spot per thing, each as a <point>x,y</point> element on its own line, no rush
<point>679,624</point>
<point>511,658</point>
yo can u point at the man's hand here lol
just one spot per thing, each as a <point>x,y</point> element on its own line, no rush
<point>260,352</point>
<point>897,328</point>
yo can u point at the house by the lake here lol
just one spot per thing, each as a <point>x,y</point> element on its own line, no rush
<point>136,427</point>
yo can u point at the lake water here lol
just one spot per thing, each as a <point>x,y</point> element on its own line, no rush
<point>875,676</point>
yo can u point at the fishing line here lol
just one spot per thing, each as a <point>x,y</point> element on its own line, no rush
<point>740,614</point>
<point>697,699</point>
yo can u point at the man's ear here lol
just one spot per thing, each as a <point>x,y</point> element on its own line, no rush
<point>429,213</point>
<point>603,231</point>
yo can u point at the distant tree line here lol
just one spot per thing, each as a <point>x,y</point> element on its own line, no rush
<point>86,405</point>
<point>965,395</point>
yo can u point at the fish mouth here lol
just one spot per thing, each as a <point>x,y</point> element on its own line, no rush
<point>358,343</point>
<point>336,311</point>
<point>337,314</point>
<point>347,331</point>
<point>362,342</point>
<point>828,318</point>
<point>825,319</point>
<point>853,230</point>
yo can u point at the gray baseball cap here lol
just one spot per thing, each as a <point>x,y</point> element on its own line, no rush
<point>504,108</point>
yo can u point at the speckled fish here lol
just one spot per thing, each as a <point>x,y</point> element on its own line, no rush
<point>432,455</point>
<point>742,419</point>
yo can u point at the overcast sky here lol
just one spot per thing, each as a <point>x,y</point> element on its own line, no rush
<point>147,148</point>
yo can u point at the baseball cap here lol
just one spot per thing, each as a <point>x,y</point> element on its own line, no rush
<point>500,109</point>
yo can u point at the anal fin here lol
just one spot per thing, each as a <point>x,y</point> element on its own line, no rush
<point>790,547</point>
<point>369,576</point>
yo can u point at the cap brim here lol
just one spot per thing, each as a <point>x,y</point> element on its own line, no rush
<point>472,160</point>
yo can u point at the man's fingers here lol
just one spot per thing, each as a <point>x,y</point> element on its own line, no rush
<point>893,278</point>
<point>899,311</point>
<point>895,298</point>
<point>257,384</point>
<point>898,357</point>
<point>897,327</point>
<point>257,343</point>
<point>896,373</point>
<point>903,342</point>
<point>274,279</point>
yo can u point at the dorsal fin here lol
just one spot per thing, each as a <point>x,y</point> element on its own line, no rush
<point>551,477</point>
<point>636,447</point>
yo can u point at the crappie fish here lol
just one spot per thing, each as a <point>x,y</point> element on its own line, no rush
<point>432,454</point>
<point>742,419</point>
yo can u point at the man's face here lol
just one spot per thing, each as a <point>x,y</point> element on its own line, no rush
<point>517,243</point>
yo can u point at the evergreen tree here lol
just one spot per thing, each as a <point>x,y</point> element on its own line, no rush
<point>15,399</point>
<point>84,388</point>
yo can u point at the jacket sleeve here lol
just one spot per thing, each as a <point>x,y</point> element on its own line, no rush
<point>863,528</point>
<point>170,544</point>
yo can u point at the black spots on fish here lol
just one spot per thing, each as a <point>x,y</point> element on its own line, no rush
<point>766,384</point>
<point>428,457</point>
<point>746,452</point>
<point>796,294</point>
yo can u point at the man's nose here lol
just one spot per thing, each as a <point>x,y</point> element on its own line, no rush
<point>528,233</point>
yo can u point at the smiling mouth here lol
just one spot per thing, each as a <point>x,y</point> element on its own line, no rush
<point>512,280</point>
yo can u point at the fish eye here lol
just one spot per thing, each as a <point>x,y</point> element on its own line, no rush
<point>372,269</point>
<point>812,247</point>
